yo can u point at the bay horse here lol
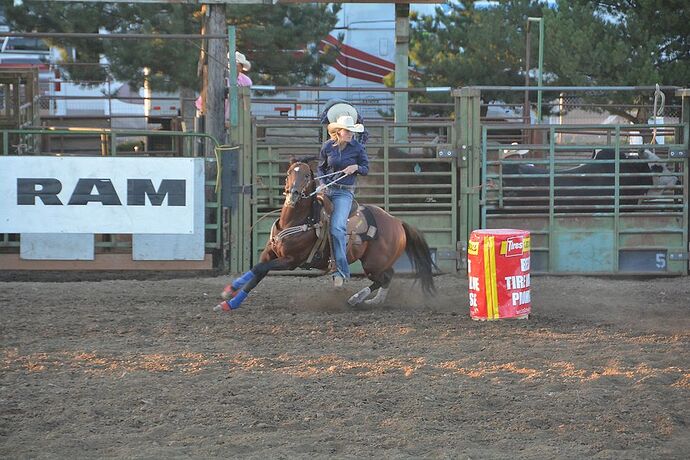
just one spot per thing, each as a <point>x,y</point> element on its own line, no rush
<point>294,236</point>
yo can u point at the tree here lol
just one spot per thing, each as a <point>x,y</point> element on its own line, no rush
<point>466,45</point>
<point>471,46</point>
<point>621,43</point>
<point>280,40</point>
<point>283,41</point>
<point>627,42</point>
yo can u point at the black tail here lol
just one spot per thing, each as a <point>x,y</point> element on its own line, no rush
<point>418,251</point>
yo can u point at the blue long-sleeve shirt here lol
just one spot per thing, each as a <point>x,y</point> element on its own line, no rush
<point>331,159</point>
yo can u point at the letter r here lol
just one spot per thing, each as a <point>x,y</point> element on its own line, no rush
<point>48,192</point>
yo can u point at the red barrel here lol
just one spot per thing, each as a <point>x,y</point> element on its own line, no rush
<point>498,269</point>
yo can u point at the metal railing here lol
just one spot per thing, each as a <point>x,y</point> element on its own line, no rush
<point>635,222</point>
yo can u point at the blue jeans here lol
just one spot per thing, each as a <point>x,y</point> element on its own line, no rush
<point>342,202</point>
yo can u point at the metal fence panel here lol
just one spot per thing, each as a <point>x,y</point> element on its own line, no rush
<point>622,213</point>
<point>410,180</point>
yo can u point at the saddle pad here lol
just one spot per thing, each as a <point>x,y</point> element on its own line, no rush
<point>362,223</point>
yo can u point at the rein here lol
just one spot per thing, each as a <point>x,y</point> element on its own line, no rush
<point>328,184</point>
<point>305,227</point>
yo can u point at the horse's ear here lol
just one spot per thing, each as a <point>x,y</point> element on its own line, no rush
<point>308,159</point>
<point>293,160</point>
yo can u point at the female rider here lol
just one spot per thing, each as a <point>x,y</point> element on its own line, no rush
<point>341,153</point>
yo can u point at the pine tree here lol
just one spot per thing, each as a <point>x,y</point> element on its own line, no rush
<point>621,43</point>
<point>280,40</point>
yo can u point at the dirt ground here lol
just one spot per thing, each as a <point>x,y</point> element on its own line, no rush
<point>145,369</point>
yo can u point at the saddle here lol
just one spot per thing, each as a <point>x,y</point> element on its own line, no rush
<point>361,226</point>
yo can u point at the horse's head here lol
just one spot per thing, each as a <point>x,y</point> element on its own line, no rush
<point>299,182</point>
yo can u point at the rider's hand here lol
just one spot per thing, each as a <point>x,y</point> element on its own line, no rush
<point>351,169</point>
<point>320,188</point>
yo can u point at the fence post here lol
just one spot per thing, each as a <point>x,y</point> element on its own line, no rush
<point>245,172</point>
<point>685,113</point>
<point>685,120</point>
<point>238,190</point>
<point>468,146</point>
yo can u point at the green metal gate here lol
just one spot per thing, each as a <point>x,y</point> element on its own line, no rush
<point>642,230</point>
<point>415,181</point>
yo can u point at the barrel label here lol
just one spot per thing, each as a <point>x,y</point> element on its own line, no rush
<point>515,246</point>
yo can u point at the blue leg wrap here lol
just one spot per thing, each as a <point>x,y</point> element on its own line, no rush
<point>242,280</point>
<point>236,301</point>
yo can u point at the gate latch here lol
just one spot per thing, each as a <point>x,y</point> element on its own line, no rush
<point>677,153</point>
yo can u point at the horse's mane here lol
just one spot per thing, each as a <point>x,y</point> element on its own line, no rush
<point>304,159</point>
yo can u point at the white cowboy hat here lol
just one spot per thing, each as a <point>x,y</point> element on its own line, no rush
<point>340,109</point>
<point>242,60</point>
<point>346,122</point>
<point>507,153</point>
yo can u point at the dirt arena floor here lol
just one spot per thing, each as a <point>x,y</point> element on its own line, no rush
<point>144,369</point>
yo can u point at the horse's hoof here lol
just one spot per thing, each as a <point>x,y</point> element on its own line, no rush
<point>223,306</point>
<point>359,297</point>
<point>379,298</point>
<point>229,292</point>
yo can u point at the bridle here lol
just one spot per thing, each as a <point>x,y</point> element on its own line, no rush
<point>302,193</point>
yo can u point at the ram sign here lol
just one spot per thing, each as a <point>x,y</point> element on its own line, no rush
<point>98,195</point>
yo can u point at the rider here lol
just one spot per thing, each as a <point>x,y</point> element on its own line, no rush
<point>345,155</point>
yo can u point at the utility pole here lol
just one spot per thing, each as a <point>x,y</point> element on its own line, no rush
<point>402,50</point>
<point>528,49</point>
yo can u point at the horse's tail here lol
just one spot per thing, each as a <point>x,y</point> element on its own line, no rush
<point>418,251</point>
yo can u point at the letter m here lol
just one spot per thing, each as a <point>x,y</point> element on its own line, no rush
<point>138,189</point>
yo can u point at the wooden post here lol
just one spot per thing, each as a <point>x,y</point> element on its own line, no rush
<point>232,84</point>
<point>214,94</point>
<point>216,73</point>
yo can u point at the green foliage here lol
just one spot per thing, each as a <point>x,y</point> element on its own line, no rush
<point>280,40</point>
<point>471,46</point>
<point>622,43</point>
<point>627,42</point>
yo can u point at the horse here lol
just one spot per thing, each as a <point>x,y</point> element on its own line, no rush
<point>295,238</point>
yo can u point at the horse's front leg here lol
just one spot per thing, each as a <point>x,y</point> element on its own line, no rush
<point>251,280</point>
<point>232,289</point>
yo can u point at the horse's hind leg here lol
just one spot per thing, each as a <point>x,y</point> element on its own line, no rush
<point>384,281</point>
<point>381,282</point>
<point>362,294</point>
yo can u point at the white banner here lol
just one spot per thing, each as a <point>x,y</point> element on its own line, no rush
<point>98,195</point>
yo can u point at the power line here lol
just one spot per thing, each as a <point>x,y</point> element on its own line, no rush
<point>113,36</point>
